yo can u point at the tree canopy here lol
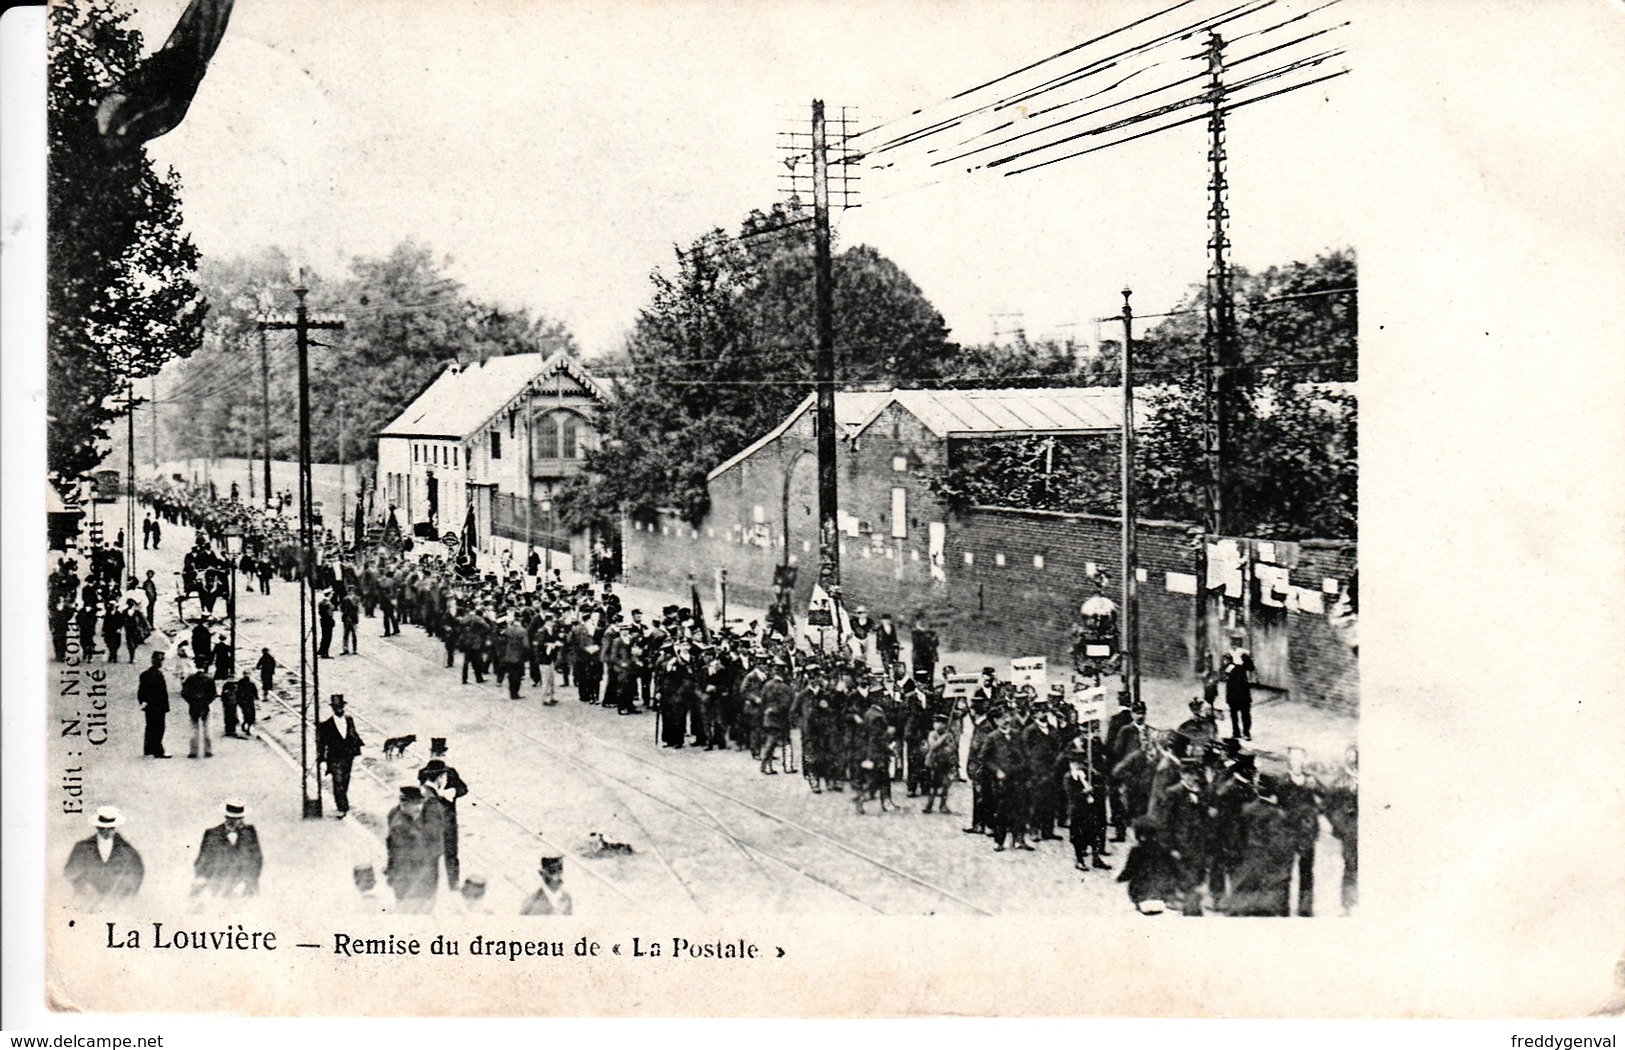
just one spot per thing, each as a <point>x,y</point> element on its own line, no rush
<point>403,319</point>
<point>1293,454</point>
<point>121,294</point>
<point>724,350</point>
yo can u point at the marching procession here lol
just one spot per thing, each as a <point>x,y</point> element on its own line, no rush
<point>1197,825</point>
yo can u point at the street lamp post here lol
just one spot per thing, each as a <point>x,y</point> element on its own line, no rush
<point>234,550</point>
<point>547,544</point>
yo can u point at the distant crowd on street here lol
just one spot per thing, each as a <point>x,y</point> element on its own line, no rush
<point>1205,829</point>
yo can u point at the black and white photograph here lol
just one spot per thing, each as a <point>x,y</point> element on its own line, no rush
<point>850,509</point>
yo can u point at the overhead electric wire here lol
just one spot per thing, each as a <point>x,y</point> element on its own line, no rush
<point>1071,76</point>
<point>1144,94</point>
<point>1017,72</point>
<point>1230,14</point>
<point>1227,108</point>
<point>1205,97</point>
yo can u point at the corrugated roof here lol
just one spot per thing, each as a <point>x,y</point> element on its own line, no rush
<point>1057,410</point>
<point>463,398</point>
<point>853,409</point>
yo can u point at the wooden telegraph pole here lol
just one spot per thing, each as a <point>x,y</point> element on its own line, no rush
<point>309,675</point>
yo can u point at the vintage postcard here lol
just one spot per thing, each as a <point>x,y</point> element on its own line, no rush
<point>574,510</point>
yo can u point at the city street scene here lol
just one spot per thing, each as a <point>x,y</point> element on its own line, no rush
<point>530,463</point>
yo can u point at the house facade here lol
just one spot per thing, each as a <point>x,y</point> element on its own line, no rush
<point>498,435</point>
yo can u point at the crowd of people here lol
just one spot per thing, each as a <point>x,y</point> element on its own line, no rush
<point>1205,829</point>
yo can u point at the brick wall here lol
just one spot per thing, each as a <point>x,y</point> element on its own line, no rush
<point>1018,577</point>
<point>1022,606</point>
<point>769,502</point>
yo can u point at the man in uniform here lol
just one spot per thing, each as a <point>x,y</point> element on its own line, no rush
<point>228,860</point>
<point>338,744</point>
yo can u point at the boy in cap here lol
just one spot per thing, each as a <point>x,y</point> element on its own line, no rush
<point>228,860</point>
<point>941,760</point>
<point>551,898</point>
<point>105,866</point>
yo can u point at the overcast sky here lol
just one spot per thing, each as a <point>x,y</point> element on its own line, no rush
<point>552,151</point>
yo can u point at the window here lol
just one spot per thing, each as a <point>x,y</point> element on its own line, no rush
<point>899,514</point>
<point>454,450</point>
<point>414,453</point>
<point>496,444</point>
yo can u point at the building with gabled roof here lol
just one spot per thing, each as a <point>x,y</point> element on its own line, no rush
<point>499,434</point>
<point>894,529</point>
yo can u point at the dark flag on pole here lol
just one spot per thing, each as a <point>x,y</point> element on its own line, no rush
<point>360,520</point>
<point>466,562</point>
<point>699,612</point>
<point>153,99</point>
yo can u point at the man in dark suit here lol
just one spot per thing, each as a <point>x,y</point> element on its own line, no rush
<point>416,838</point>
<point>1004,779</point>
<point>202,643</point>
<point>199,693</point>
<point>153,695</point>
<point>443,786</point>
<point>105,866</point>
<point>324,618</point>
<point>338,744</point>
<point>1236,667</point>
<point>228,861</point>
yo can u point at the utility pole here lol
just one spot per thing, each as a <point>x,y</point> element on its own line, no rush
<point>309,676</point>
<point>155,425</point>
<point>829,540</point>
<point>129,487</point>
<point>265,410</point>
<point>1218,346</point>
<point>1130,623</point>
<point>344,487</point>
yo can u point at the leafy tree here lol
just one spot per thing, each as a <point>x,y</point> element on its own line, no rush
<point>1292,459</point>
<point>724,350</point>
<point>1293,452</point>
<point>121,296</point>
<point>1033,363</point>
<point>403,321</point>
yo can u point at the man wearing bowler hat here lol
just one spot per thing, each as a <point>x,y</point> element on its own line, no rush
<point>105,866</point>
<point>228,861</point>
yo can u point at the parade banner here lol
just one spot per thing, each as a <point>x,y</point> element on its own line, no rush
<point>1030,670</point>
<point>960,685</point>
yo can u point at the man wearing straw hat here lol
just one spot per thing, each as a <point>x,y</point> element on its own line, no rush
<point>105,866</point>
<point>228,861</point>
